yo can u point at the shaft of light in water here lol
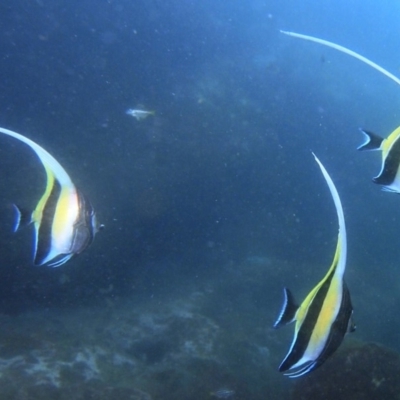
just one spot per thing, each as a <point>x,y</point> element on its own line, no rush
<point>345,50</point>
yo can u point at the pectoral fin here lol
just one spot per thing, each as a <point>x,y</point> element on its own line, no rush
<point>288,311</point>
<point>22,218</point>
<point>372,141</point>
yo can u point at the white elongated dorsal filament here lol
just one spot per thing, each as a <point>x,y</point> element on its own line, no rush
<point>347,51</point>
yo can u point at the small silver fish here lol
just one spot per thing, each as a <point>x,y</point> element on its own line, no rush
<point>223,393</point>
<point>139,114</point>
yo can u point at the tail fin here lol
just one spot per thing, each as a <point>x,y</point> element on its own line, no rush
<point>372,141</point>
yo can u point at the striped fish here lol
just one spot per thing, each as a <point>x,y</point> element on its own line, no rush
<point>389,176</point>
<point>325,316</point>
<point>64,220</point>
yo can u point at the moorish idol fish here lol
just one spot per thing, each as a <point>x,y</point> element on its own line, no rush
<point>64,220</point>
<point>389,176</point>
<point>325,315</point>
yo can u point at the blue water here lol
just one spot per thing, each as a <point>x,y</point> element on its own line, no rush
<point>222,176</point>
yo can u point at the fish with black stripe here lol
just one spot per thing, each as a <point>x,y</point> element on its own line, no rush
<point>325,315</point>
<point>389,175</point>
<point>64,220</point>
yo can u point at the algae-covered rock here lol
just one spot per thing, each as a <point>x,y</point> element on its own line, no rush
<point>160,350</point>
<point>96,391</point>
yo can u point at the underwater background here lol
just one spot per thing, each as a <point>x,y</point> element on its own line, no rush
<point>210,207</point>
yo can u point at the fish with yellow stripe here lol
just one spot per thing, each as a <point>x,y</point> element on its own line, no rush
<point>389,175</point>
<point>325,315</point>
<point>64,220</point>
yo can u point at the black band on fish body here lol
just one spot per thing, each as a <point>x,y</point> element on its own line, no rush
<point>307,327</point>
<point>44,235</point>
<point>390,166</point>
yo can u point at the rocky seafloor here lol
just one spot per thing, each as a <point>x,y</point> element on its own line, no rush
<point>182,344</point>
<point>166,351</point>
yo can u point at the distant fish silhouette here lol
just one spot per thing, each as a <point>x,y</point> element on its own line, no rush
<point>223,393</point>
<point>139,114</point>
